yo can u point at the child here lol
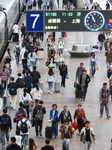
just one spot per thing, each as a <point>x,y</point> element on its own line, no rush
<point>18,138</point>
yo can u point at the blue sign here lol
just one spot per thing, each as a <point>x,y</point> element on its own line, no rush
<point>34,21</point>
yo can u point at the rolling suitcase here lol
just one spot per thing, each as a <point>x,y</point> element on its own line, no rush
<point>78,92</point>
<point>48,132</point>
<point>57,87</point>
<point>41,85</point>
<point>6,101</point>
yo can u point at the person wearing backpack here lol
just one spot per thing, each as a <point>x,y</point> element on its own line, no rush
<point>17,53</point>
<point>24,125</point>
<point>28,80</point>
<point>35,75</point>
<point>24,55</point>
<point>104,100</point>
<point>19,112</point>
<point>38,116</point>
<point>12,87</point>
<point>26,98</point>
<point>6,126</point>
<point>4,74</point>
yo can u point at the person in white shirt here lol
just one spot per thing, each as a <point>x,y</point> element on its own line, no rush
<point>15,33</point>
<point>60,45</point>
<point>36,93</point>
<point>18,138</point>
<point>22,57</point>
<point>24,125</point>
<point>26,98</point>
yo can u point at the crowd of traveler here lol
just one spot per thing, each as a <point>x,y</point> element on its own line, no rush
<point>23,95</point>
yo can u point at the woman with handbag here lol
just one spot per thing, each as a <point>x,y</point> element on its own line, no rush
<point>80,116</point>
<point>50,79</point>
<point>25,99</point>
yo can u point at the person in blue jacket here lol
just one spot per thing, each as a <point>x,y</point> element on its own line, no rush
<point>54,118</point>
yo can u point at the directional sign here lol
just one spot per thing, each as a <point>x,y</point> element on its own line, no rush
<point>35,21</point>
<point>89,21</point>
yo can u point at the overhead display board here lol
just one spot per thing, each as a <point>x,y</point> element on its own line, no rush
<point>88,21</point>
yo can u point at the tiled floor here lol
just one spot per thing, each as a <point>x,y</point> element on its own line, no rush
<point>102,126</point>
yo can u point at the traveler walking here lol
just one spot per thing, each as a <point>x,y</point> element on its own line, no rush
<point>32,59</point>
<point>26,98</point>
<point>36,93</point>
<point>108,55</point>
<point>93,63</point>
<point>24,125</point>
<point>104,100</point>
<point>65,114</point>
<point>13,145</point>
<point>60,45</point>
<point>12,87</point>
<point>35,75</point>
<point>50,79</point>
<point>16,51</point>
<point>66,134</point>
<point>63,72</point>
<point>4,74</point>
<point>87,136</point>
<point>84,81</point>
<point>38,116</point>
<point>31,145</point>
<point>28,82</point>
<point>55,120</point>
<point>18,138</point>
<point>80,116</point>
<point>47,146</point>
<point>101,38</point>
<point>15,32</point>
<point>6,126</point>
<point>23,55</point>
<point>79,72</point>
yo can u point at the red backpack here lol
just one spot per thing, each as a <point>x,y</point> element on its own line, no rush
<point>20,112</point>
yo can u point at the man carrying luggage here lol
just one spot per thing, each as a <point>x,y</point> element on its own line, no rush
<point>79,72</point>
<point>84,81</point>
<point>38,116</point>
<point>104,100</point>
<point>6,126</point>
<point>12,87</point>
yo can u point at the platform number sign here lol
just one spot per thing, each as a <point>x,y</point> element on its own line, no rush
<point>35,21</point>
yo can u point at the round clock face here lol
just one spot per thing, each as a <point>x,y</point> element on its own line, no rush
<point>94,21</point>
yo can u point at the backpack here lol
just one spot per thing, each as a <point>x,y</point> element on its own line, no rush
<point>34,75</point>
<point>24,128</point>
<point>39,115</point>
<point>21,83</point>
<point>18,51</point>
<point>5,122</point>
<point>26,54</point>
<point>12,90</point>
<point>20,112</point>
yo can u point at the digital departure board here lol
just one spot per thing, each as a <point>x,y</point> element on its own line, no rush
<point>91,21</point>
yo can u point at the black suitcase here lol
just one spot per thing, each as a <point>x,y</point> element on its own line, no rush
<point>95,46</point>
<point>78,92</point>
<point>48,132</point>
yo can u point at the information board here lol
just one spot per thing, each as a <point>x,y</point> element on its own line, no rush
<point>91,21</point>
